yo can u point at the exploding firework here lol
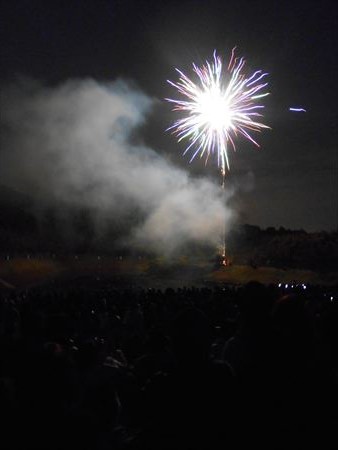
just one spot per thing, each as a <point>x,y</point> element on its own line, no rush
<point>218,106</point>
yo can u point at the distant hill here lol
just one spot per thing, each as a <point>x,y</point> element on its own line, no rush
<point>15,210</point>
<point>249,244</point>
<point>73,231</point>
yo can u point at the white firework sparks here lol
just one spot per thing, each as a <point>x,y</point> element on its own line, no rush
<point>219,106</point>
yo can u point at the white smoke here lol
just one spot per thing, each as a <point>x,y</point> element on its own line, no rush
<point>72,144</point>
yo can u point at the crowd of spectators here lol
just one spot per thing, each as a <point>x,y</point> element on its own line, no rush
<point>90,366</point>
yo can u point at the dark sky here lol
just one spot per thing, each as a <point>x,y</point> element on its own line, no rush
<point>293,180</point>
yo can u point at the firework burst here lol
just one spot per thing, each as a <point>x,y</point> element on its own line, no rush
<point>220,105</point>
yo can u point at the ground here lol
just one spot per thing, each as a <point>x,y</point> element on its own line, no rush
<point>22,272</point>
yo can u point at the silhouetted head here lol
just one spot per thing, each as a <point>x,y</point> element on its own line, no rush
<point>191,335</point>
<point>293,329</point>
<point>255,302</point>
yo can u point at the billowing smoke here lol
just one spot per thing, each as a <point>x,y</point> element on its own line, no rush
<point>73,145</point>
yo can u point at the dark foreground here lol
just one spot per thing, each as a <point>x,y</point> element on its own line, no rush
<point>95,366</point>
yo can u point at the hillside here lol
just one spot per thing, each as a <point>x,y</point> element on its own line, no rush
<point>283,248</point>
<point>72,231</point>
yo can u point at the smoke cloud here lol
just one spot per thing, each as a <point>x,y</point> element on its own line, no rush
<point>74,144</point>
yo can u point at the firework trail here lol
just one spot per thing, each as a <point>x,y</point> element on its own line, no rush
<point>219,105</point>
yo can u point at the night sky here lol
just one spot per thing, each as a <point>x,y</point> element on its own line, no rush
<point>292,180</point>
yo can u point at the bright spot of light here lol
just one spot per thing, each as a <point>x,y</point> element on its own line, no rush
<point>214,110</point>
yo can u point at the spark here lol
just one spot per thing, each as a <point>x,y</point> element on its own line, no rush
<point>297,109</point>
<point>219,106</point>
